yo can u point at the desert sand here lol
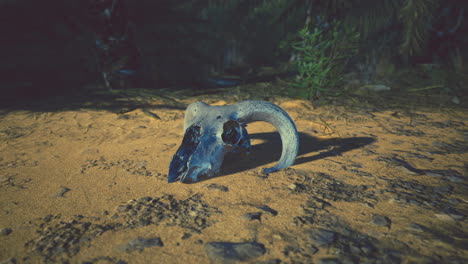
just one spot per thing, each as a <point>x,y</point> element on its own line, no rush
<point>373,183</point>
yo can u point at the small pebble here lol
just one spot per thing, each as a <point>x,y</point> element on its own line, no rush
<point>61,192</point>
<point>455,179</point>
<point>322,237</point>
<point>5,231</point>
<point>415,227</point>
<point>252,216</point>
<point>141,243</point>
<point>47,218</point>
<point>218,187</point>
<point>381,220</point>
<point>226,252</point>
<point>312,250</point>
<point>329,261</point>
<point>186,236</point>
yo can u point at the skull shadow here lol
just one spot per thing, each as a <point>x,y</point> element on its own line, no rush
<point>270,150</point>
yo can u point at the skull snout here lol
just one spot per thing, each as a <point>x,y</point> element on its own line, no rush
<point>202,151</point>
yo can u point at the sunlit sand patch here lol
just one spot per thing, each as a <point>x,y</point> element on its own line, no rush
<point>368,185</point>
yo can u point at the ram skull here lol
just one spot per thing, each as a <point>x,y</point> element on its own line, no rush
<point>212,131</point>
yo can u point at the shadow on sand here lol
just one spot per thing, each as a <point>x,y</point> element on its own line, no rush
<point>270,151</point>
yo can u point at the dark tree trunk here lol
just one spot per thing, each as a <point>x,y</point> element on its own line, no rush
<point>118,58</point>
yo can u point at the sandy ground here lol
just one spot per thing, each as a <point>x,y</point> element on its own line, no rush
<point>370,185</point>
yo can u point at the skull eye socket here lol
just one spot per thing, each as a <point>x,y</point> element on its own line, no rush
<point>232,132</point>
<point>192,136</point>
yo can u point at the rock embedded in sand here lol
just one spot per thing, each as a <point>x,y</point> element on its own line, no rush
<point>104,259</point>
<point>415,227</point>
<point>381,220</point>
<point>322,237</point>
<point>140,243</point>
<point>186,236</point>
<point>329,261</point>
<point>61,192</point>
<point>218,187</point>
<point>252,216</point>
<point>270,261</point>
<point>227,252</point>
<point>5,231</point>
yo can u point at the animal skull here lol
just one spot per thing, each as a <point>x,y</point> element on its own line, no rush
<point>212,131</point>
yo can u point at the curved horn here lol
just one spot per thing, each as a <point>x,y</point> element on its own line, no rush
<point>250,111</point>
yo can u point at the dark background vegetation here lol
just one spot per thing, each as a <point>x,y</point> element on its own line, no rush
<point>49,47</point>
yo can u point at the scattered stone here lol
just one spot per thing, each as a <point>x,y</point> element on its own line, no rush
<point>252,216</point>
<point>381,220</point>
<point>454,178</point>
<point>312,250</point>
<point>218,187</point>
<point>104,259</point>
<point>186,236</point>
<point>226,252</point>
<point>124,117</point>
<point>5,231</point>
<point>443,189</point>
<point>61,192</point>
<point>47,218</point>
<point>140,243</point>
<point>329,261</point>
<point>450,175</point>
<point>322,237</point>
<point>150,114</point>
<point>268,209</point>
<point>362,173</point>
<point>415,227</point>
<point>290,250</point>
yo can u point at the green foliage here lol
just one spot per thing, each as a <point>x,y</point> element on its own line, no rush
<point>321,57</point>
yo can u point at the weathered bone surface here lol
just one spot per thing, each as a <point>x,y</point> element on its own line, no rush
<point>212,131</point>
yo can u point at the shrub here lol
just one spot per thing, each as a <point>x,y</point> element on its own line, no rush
<point>321,56</point>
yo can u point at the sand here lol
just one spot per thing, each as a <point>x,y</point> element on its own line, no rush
<point>87,184</point>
